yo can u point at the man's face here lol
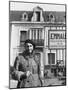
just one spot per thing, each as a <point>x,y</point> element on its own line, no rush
<point>29,47</point>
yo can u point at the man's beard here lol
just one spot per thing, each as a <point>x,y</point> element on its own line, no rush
<point>29,51</point>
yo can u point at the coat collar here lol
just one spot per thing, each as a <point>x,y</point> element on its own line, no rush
<point>27,55</point>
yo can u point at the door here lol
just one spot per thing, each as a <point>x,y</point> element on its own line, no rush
<point>51,58</point>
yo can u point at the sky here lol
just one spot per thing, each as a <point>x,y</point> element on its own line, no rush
<point>20,6</point>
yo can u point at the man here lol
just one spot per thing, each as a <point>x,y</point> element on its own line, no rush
<point>26,68</point>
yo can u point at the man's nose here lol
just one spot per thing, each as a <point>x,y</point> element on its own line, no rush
<point>28,47</point>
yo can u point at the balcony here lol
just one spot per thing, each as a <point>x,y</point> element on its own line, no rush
<point>38,42</point>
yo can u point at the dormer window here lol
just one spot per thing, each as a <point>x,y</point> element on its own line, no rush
<point>37,14</point>
<point>51,18</point>
<point>24,17</point>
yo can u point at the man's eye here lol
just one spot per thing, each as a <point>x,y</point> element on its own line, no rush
<point>30,45</point>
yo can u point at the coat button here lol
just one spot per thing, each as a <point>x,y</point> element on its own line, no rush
<point>28,81</point>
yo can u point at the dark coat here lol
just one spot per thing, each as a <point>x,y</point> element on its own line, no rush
<point>23,63</point>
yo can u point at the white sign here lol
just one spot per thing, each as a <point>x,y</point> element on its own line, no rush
<point>57,39</point>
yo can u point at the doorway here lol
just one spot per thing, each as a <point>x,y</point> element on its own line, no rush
<point>51,58</point>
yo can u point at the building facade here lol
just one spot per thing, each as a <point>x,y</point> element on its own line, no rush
<point>46,29</point>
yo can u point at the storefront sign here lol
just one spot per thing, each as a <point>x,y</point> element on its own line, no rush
<point>57,39</point>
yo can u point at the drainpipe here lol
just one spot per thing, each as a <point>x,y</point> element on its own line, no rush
<point>42,68</point>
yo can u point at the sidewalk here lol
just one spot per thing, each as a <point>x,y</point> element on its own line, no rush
<point>53,81</point>
<point>48,81</point>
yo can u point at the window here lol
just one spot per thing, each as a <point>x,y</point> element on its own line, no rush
<point>24,16</point>
<point>23,36</point>
<point>40,34</point>
<point>38,16</point>
<point>51,17</point>
<point>51,58</point>
<point>36,33</point>
<point>31,34</point>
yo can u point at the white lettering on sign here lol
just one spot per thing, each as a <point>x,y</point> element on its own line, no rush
<point>57,36</point>
<point>57,39</point>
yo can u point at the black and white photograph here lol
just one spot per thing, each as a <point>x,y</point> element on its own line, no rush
<point>37,44</point>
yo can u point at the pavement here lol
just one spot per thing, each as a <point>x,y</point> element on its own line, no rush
<point>54,81</point>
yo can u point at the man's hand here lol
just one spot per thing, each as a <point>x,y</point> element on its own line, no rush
<point>20,73</point>
<point>28,73</point>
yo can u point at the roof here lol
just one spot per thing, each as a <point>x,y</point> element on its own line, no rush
<point>37,8</point>
<point>16,15</point>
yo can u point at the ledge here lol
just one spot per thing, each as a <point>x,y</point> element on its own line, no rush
<point>41,23</point>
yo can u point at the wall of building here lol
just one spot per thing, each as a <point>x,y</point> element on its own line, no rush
<point>15,38</point>
<point>59,53</point>
<point>15,41</point>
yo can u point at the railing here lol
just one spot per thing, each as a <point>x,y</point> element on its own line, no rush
<point>38,42</point>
